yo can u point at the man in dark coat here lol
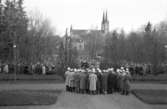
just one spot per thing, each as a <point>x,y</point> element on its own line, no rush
<point>105,81</point>
<point>111,81</point>
<point>99,81</point>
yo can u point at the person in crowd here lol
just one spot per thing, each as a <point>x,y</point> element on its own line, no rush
<point>127,77</point>
<point>119,80</point>
<point>100,74</point>
<point>98,83</point>
<point>71,79</point>
<point>26,71</point>
<point>33,68</point>
<point>105,81</point>
<point>122,80</point>
<point>6,68</point>
<point>92,81</point>
<point>67,84</point>
<point>77,80</point>
<point>114,80</point>
<point>43,69</point>
<point>111,81</point>
<point>83,78</point>
<point>87,72</point>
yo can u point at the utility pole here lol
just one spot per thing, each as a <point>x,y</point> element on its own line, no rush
<point>66,48</point>
<point>13,11</point>
<point>15,56</point>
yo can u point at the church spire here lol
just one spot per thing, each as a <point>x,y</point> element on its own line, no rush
<point>71,28</point>
<point>66,34</point>
<point>103,20</point>
<point>105,23</point>
<point>106,19</point>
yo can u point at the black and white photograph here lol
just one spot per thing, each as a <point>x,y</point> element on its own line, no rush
<point>83,54</point>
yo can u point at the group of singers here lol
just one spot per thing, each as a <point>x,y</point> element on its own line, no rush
<point>97,81</point>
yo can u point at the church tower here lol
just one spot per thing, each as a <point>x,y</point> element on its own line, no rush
<point>105,23</point>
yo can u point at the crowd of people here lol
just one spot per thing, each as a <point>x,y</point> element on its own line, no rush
<point>21,68</point>
<point>97,81</point>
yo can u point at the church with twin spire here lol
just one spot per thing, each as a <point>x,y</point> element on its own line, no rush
<point>105,24</point>
<point>79,37</point>
<point>104,27</point>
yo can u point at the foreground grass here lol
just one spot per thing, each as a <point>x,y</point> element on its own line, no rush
<point>151,96</point>
<point>22,77</point>
<point>28,97</point>
<point>161,78</point>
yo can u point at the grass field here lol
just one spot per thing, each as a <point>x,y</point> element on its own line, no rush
<point>10,77</point>
<point>28,97</point>
<point>156,78</point>
<point>151,96</point>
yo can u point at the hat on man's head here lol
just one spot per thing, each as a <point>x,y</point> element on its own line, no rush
<point>122,68</point>
<point>93,70</point>
<point>68,68</point>
<point>118,70</point>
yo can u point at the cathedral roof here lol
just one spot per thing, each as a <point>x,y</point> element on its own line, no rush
<point>83,34</point>
<point>79,31</point>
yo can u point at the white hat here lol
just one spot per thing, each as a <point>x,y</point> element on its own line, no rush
<point>68,68</point>
<point>93,70</point>
<point>75,70</point>
<point>127,69</point>
<point>118,70</point>
<point>99,70</point>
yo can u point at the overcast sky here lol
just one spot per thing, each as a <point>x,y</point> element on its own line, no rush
<point>87,14</point>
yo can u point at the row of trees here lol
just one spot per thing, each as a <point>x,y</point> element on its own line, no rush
<point>29,37</point>
<point>142,47</point>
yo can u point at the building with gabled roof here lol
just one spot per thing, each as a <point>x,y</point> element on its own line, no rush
<point>80,37</point>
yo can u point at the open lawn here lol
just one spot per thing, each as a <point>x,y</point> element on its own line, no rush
<point>151,96</point>
<point>28,97</point>
<point>162,78</point>
<point>11,77</point>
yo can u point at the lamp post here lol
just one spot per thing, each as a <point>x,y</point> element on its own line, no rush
<point>66,48</point>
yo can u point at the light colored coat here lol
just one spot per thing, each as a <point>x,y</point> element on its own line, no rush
<point>43,70</point>
<point>67,78</point>
<point>92,82</point>
<point>6,68</point>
